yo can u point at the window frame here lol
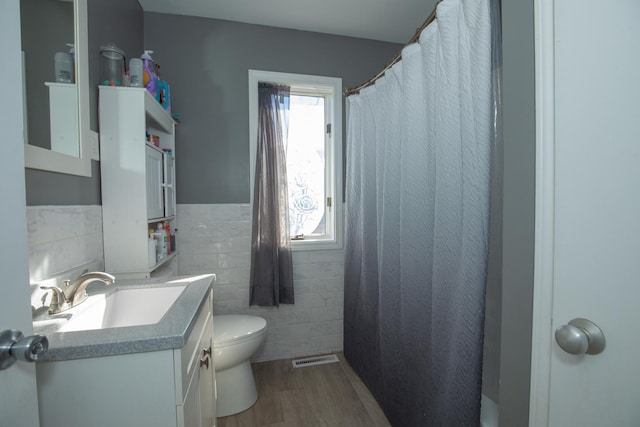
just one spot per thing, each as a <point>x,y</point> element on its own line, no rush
<point>331,88</point>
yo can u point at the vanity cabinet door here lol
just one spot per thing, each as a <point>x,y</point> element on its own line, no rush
<point>195,374</point>
<point>207,382</point>
<point>189,411</point>
<point>155,203</point>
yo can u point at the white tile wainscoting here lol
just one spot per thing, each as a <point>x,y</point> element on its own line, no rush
<point>63,241</point>
<point>217,239</point>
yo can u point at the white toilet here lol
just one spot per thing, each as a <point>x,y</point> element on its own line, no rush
<point>236,338</point>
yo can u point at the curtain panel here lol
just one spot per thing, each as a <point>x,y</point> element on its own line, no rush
<point>271,282</point>
<point>417,223</point>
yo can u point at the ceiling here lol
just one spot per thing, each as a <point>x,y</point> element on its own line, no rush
<point>387,20</point>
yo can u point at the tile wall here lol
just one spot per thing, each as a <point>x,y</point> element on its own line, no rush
<point>216,239</point>
<point>63,241</point>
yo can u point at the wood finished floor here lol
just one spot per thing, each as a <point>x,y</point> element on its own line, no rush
<point>328,395</point>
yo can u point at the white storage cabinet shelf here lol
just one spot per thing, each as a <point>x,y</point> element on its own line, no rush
<point>138,180</point>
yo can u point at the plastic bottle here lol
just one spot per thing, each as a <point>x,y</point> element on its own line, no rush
<point>150,78</point>
<point>161,242</point>
<point>167,231</point>
<point>135,72</point>
<point>72,52</point>
<point>172,241</point>
<point>63,65</point>
<point>153,257</point>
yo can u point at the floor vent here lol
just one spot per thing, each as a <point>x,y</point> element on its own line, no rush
<point>312,361</point>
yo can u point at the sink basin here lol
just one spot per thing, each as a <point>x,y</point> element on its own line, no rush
<point>124,307</point>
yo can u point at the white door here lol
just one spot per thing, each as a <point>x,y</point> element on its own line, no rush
<point>588,211</point>
<point>18,398</point>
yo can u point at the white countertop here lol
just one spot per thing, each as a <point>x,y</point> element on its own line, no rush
<point>170,332</point>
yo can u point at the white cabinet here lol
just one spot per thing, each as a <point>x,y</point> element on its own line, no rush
<point>138,179</point>
<point>168,388</point>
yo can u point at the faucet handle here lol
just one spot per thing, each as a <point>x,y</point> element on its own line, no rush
<point>57,298</point>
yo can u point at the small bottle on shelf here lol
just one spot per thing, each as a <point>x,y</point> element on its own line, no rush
<point>172,241</point>
<point>167,231</point>
<point>161,242</point>
<point>152,250</point>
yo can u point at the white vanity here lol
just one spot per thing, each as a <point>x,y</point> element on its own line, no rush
<point>159,374</point>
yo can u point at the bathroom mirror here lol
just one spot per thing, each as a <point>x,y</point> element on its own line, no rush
<point>56,114</point>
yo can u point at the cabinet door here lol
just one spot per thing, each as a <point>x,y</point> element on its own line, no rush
<point>155,205</point>
<point>207,381</point>
<point>189,411</point>
<point>169,185</point>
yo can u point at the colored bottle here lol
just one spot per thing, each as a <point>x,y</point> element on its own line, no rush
<point>167,231</point>
<point>149,76</point>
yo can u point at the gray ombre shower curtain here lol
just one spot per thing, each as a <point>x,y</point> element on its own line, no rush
<point>417,198</point>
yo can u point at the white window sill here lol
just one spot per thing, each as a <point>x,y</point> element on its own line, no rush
<point>315,245</point>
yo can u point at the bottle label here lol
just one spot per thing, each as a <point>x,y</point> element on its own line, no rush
<point>64,76</point>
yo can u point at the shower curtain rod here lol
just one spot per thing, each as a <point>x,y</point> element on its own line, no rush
<point>356,89</point>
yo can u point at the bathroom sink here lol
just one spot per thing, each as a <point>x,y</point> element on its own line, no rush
<point>124,307</point>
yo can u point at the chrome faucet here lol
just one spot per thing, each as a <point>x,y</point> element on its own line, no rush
<point>74,292</point>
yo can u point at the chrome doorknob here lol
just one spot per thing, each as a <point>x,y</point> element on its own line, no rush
<point>14,346</point>
<point>580,336</point>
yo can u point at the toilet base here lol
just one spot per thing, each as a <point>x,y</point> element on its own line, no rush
<point>236,390</point>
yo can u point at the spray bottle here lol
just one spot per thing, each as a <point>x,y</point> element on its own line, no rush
<point>149,76</point>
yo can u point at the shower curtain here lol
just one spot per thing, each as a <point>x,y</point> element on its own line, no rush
<point>417,199</point>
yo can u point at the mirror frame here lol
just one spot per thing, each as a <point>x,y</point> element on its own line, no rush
<point>44,159</point>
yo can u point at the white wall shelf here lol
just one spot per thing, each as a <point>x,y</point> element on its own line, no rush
<point>138,178</point>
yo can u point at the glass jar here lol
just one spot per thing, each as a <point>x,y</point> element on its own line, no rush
<point>112,65</point>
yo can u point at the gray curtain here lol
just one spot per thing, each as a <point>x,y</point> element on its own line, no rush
<point>417,223</point>
<point>271,266</point>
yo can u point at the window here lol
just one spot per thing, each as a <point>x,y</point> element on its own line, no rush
<point>314,155</point>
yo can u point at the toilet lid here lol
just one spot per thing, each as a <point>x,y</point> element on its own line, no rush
<point>236,327</point>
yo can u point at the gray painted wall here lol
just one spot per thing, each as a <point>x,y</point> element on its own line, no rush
<point>518,210</point>
<point>49,188</point>
<point>118,21</point>
<point>206,62</point>
<point>493,298</point>
<point>46,27</point>
<point>493,310</point>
